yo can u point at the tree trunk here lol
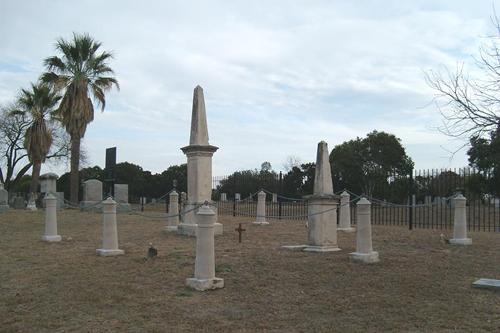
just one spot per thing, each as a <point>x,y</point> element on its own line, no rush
<point>75,163</point>
<point>35,175</point>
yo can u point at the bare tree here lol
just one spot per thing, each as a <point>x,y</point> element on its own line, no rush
<point>290,162</point>
<point>470,105</point>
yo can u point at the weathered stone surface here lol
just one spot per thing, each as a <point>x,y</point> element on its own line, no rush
<point>261,209</point>
<point>121,193</point>
<point>19,203</point>
<point>364,249</point>
<point>4,199</point>
<point>109,230</point>
<point>92,194</point>
<point>323,174</point>
<point>173,211</point>
<point>50,234</point>
<point>345,213</point>
<point>223,197</point>
<point>237,196</point>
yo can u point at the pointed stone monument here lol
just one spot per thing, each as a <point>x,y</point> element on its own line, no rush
<point>322,207</point>
<point>345,213</point>
<point>199,164</point>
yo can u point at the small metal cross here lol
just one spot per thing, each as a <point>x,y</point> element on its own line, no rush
<point>240,231</point>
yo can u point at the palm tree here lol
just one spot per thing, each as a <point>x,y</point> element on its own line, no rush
<point>80,71</point>
<point>37,103</point>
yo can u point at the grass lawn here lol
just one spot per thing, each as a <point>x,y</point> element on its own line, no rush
<point>420,285</point>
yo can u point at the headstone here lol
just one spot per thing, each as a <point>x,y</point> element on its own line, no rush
<point>322,207</point>
<point>173,212</point>
<point>153,201</point>
<point>51,219</point>
<point>199,165</point>
<point>223,197</point>
<point>204,268</point>
<point>4,199</point>
<point>261,209</point>
<point>109,230</point>
<point>364,249</point>
<point>31,205</point>
<point>275,197</point>
<point>60,200</point>
<point>121,197</point>
<point>345,213</point>
<point>428,200</point>
<point>92,194</point>
<point>237,196</point>
<point>19,203</point>
<point>460,222</point>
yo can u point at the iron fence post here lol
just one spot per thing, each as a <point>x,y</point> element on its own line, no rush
<point>280,189</point>
<point>410,201</point>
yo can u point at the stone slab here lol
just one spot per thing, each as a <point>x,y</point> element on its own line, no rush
<point>55,238</point>
<point>461,241</point>
<point>487,284</point>
<point>365,257</point>
<point>260,223</point>
<point>205,284</point>
<point>347,229</point>
<point>109,253</point>
<point>190,229</point>
<point>294,247</point>
<point>312,248</point>
<point>171,228</point>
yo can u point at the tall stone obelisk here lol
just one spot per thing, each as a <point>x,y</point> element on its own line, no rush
<point>322,207</point>
<point>199,167</point>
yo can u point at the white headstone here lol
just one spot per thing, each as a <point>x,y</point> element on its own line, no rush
<point>92,194</point>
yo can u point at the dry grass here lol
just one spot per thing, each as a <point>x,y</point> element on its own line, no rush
<point>419,286</point>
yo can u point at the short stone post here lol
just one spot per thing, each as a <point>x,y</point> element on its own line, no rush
<point>364,250</point>
<point>204,268</point>
<point>4,199</point>
<point>460,222</point>
<point>109,230</point>
<point>261,209</point>
<point>237,196</point>
<point>275,197</point>
<point>173,212</point>
<point>51,219</point>
<point>345,213</point>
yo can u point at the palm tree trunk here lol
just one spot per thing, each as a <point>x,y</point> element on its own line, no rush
<point>75,163</point>
<point>35,176</point>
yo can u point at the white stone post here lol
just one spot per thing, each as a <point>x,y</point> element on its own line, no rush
<point>275,197</point>
<point>173,212</point>
<point>204,269</point>
<point>460,222</point>
<point>237,196</point>
<point>109,230</point>
<point>364,249</point>
<point>223,197</point>
<point>261,209</point>
<point>322,207</point>
<point>345,213</point>
<point>51,219</point>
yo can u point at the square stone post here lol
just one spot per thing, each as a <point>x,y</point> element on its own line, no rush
<point>109,230</point>
<point>204,268</point>
<point>51,219</point>
<point>345,213</point>
<point>261,209</point>
<point>4,199</point>
<point>173,212</point>
<point>460,222</point>
<point>364,249</point>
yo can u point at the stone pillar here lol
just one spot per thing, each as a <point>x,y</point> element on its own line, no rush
<point>275,197</point>
<point>199,166</point>
<point>322,207</point>
<point>345,213</point>
<point>223,197</point>
<point>460,222</point>
<point>109,230</point>
<point>4,199</point>
<point>364,249</point>
<point>261,209</point>
<point>173,212</point>
<point>204,268</point>
<point>237,196</point>
<point>51,219</point>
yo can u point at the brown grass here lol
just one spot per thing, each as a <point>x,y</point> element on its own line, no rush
<point>420,285</point>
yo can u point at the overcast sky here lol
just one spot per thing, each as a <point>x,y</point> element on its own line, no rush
<point>278,76</point>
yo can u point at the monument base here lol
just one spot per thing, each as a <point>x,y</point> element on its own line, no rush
<point>4,208</point>
<point>171,228</point>
<point>109,253</point>
<point>205,284</point>
<point>365,257</point>
<point>260,223</point>
<point>190,229</point>
<point>461,241</point>
<point>294,247</point>
<point>55,238</point>
<point>317,248</point>
<point>350,229</point>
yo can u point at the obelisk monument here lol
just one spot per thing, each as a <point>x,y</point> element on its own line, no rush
<point>199,167</point>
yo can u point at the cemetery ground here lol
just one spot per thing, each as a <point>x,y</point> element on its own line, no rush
<point>419,285</point>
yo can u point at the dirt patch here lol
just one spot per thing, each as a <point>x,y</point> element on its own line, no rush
<point>419,285</point>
